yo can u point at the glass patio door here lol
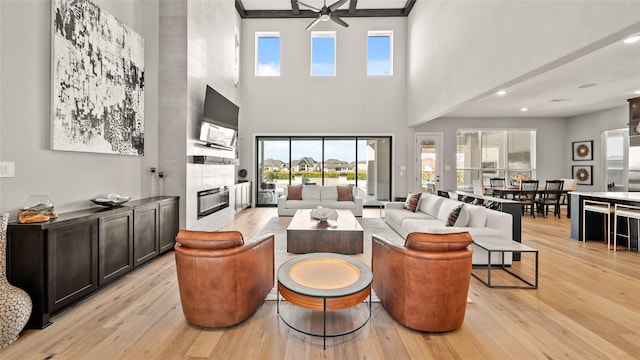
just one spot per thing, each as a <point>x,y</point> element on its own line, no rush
<point>429,149</point>
<point>363,162</point>
<point>273,169</point>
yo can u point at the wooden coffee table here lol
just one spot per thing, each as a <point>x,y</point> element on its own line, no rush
<point>306,235</point>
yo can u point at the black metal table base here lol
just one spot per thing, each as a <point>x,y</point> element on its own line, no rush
<point>503,267</point>
<point>324,334</point>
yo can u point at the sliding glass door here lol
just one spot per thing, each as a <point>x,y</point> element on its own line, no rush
<point>363,162</point>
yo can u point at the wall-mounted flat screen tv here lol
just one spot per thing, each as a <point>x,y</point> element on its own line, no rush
<point>219,126</point>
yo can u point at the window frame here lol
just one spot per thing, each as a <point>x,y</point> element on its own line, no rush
<point>381,33</point>
<point>267,34</point>
<point>325,34</point>
<point>505,170</point>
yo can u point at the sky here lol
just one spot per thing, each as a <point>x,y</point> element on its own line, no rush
<point>378,51</point>
<point>268,56</point>
<point>323,56</point>
<point>334,149</point>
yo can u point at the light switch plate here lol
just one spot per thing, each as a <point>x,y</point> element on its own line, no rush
<point>7,169</point>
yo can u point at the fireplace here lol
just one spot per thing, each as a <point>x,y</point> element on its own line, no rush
<point>212,200</point>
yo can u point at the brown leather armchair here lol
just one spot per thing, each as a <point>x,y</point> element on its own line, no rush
<point>222,280</point>
<point>424,285</point>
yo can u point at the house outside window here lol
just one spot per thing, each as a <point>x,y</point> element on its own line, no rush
<point>380,53</point>
<point>323,53</point>
<point>267,54</point>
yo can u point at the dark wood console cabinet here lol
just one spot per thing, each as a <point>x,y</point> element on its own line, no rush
<point>61,261</point>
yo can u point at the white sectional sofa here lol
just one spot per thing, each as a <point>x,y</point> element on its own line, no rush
<point>433,212</point>
<point>319,195</point>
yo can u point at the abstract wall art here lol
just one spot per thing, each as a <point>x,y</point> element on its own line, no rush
<point>98,81</point>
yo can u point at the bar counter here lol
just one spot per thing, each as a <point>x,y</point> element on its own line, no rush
<point>595,223</point>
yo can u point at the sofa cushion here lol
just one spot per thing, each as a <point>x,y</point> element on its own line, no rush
<point>430,204</point>
<point>483,231</point>
<point>425,225</point>
<point>311,192</point>
<point>210,240</point>
<point>438,242</point>
<point>412,201</point>
<point>345,193</point>
<point>446,208</point>
<point>294,192</point>
<point>328,193</point>
<point>477,216</point>
<point>335,204</point>
<point>458,216</point>
<point>400,215</point>
<point>302,204</point>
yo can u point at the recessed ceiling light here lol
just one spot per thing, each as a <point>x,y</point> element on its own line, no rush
<point>524,109</point>
<point>631,40</point>
<point>501,92</point>
<point>584,86</point>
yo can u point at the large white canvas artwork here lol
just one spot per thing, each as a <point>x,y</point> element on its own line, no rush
<point>98,81</point>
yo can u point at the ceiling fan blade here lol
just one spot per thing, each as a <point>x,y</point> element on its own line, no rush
<point>314,9</point>
<point>313,23</point>
<point>337,20</point>
<point>336,5</point>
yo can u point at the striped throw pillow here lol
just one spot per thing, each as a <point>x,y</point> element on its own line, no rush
<point>453,216</point>
<point>412,202</point>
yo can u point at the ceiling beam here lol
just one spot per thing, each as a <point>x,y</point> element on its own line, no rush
<point>408,6</point>
<point>240,9</point>
<point>295,9</point>
<point>275,14</point>
<point>352,6</point>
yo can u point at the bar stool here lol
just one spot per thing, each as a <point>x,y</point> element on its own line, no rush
<point>629,212</point>
<point>599,207</point>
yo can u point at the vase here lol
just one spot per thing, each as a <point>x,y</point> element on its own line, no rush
<point>15,303</point>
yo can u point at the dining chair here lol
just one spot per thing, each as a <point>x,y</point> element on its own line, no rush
<point>550,197</point>
<point>497,183</point>
<point>527,196</point>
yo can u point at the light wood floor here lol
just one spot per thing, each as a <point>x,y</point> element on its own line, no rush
<point>587,307</point>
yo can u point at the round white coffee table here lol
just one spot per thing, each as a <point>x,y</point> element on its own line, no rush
<point>324,282</point>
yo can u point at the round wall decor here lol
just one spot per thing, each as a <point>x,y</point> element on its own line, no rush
<point>582,150</point>
<point>582,174</point>
<point>242,173</point>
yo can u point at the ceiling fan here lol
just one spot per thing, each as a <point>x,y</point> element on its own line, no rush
<point>326,13</point>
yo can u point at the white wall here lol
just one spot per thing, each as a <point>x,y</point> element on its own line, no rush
<point>462,50</point>
<point>348,104</point>
<point>591,127</point>
<point>551,143</point>
<point>211,51</point>
<point>197,49</point>
<point>68,178</point>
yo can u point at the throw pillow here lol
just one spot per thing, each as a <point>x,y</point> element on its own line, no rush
<point>477,216</point>
<point>453,215</point>
<point>345,193</point>
<point>438,242</point>
<point>412,201</point>
<point>294,192</point>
